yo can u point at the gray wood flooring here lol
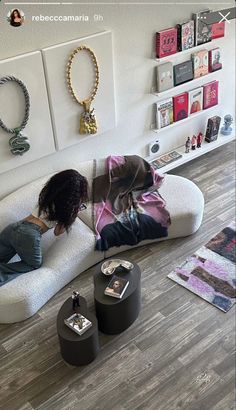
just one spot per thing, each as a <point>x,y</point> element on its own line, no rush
<point>179,354</point>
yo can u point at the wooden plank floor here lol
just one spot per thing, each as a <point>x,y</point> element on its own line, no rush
<point>177,355</point>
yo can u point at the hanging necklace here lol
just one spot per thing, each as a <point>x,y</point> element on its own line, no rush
<point>88,123</point>
<point>19,143</point>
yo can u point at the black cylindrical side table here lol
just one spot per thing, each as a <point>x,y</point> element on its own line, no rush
<point>75,349</point>
<point>116,315</point>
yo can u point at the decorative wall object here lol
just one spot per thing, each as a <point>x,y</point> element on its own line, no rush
<point>28,70</point>
<point>65,113</point>
<point>19,143</point>
<point>88,124</point>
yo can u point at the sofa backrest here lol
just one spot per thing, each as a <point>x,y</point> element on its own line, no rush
<point>20,203</point>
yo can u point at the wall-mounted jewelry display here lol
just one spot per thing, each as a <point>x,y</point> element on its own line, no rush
<point>19,143</point>
<point>88,124</point>
<point>91,84</point>
<point>24,108</point>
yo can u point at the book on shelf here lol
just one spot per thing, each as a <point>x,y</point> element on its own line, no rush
<point>213,126</point>
<point>185,35</point>
<point>203,31</point>
<point>218,30</point>
<point>183,72</point>
<point>78,323</point>
<point>215,62</point>
<point>195,98</point>
<point>210,94</point>
<point>166,42</point>
<point>180,106</point>
<point>200,63</point>
<point>116,287</point>
<point>164,77</point>
<point>165,159</point>
<point>164,113</point>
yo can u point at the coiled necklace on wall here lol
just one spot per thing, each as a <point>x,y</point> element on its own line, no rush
<point>19,143</point>
<point>88,124</point>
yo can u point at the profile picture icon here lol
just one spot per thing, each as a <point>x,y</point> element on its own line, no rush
<point>16,17</point>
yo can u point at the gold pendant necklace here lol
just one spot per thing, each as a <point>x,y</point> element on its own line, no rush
<point>88,124</point>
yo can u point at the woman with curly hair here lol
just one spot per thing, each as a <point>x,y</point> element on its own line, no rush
<point>59,203</point>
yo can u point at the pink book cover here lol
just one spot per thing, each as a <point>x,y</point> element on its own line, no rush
<point>166,42</point>
<point>210,94</point>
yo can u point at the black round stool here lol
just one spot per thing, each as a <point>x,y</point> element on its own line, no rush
<point>115,315</point>
<point>77,350</point>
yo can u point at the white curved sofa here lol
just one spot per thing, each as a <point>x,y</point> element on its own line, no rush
<point>65,257</point>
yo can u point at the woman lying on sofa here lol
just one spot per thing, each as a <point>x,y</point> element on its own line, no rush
<point>59,202</point>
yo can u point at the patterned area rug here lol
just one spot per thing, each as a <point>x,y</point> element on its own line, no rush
<point>210,272</point>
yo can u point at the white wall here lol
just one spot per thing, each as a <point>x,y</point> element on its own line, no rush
<point>133,28</point>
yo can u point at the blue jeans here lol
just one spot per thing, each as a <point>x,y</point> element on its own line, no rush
<point>22,238</point>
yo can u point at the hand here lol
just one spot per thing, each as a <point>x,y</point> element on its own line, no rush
<point>59,230</point>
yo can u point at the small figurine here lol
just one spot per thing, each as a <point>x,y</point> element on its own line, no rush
<point>199,140</point>
<point>75,299</point>
<point>187,145</point>
<point>194,142</point>
<point>226,129</point>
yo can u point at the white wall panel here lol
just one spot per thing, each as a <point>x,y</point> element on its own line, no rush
<point>65,111</point>
<point>29,69</point>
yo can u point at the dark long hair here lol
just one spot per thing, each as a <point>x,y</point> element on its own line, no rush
<point>13,17</point>
<point>62,196</point>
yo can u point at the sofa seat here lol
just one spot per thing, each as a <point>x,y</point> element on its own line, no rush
<point>66,256</point>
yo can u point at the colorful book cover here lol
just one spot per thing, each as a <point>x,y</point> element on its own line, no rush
<point>164,113</point>
<point>203,31</point>
<point>210,94</point>
<point>218,30</point>
<point>164,77</point>
<point>116,287</point>
<point>166,42</point>
<point>185,35</point>
<point>195,98</point>
<point>215,62</point>
<point>180,104</point>
<point>183,72</point>
<point>213,126</point>
<point>200,63</point>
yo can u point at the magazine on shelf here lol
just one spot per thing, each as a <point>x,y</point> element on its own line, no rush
<point>165,159</point>
<point>210,94</point>
<point>185,35</point>
<point>200,63</point>
<point>164,77</point>
<point>215,62</point>
<point>203,31</point>
<point>218,30</point>
<point>166,42</point>
<point>78,323</point>
<point>164,114</point>
<point>183,72</point>
<point>116,287</point>
<point>195,99</point>
<point>180,106</point>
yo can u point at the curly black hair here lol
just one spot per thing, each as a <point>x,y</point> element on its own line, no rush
<point>62,197</point>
